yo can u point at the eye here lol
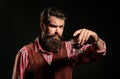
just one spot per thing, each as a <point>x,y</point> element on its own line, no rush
<point>51,25</point>
<point>61,26</point>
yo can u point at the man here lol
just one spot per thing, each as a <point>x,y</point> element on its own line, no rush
<point>49,57</point>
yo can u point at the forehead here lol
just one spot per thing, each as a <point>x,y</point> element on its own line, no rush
<point>55,20</point>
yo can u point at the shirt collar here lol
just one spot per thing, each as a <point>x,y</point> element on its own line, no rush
<point>38,46</point>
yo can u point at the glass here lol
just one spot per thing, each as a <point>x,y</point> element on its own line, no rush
<point>76,46</point>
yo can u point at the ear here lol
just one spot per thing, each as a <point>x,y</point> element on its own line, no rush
<point>42,27</point>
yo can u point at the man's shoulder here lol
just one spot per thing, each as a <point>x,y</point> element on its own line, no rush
<point>31,46</point>
<point>27,47</point>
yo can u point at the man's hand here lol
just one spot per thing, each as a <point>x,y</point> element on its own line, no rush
<point>84,35</point>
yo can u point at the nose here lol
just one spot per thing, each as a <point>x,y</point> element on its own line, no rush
<point>57,29</point>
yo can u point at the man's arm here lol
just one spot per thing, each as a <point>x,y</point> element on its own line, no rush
<point>20,64</point>
<point>85,35</point>
<point>90,49</point>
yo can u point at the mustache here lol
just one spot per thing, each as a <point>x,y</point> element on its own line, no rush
<point>54,35</point>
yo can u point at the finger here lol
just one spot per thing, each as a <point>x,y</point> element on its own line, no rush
<point>77,32</point>
<point>81,36</point>
<point>87,37</point>
<point>84,37</point>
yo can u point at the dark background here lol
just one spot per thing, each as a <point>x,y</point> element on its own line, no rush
<point>20,25</point>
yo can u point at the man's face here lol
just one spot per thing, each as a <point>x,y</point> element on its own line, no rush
<point>56,26</point>
<point>52,38</point>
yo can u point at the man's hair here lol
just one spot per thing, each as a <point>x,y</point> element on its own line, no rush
<point>51,11</point>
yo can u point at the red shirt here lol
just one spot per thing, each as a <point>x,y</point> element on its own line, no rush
<point>21,64</point>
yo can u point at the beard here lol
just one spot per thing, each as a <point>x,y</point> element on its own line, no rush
<point>51,43</point>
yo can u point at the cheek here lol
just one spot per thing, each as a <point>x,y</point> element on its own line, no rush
<point>61,32</point>
<point>51,31</point>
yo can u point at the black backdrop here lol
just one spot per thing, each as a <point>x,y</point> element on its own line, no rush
<point>20,25</point>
